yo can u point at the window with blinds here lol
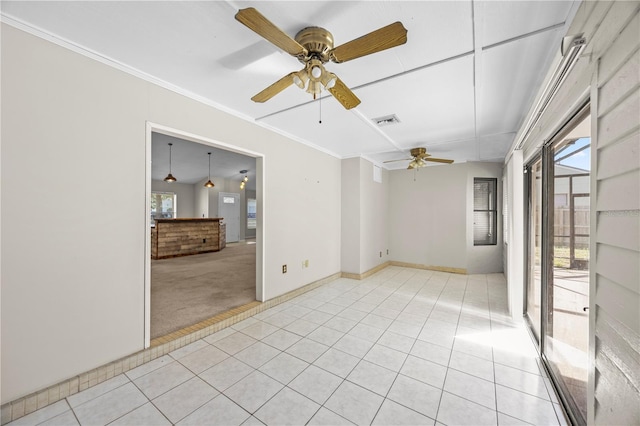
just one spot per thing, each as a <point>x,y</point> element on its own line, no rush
<point>485,211</point>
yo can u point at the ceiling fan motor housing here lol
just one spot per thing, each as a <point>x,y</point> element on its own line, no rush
<point>418,152</point>
<point>318,42</point>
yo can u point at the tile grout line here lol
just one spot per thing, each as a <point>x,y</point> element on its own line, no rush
<point>495,385</point>
<point>403,363</point>
<point>450,355</point>
<point>345,379</point>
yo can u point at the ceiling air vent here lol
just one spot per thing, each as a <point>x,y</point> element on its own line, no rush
<point>386,120</point>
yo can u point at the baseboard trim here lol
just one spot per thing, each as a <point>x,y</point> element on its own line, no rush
<point>366,274</point>
<point>160,346</point>
<point>429,267</point>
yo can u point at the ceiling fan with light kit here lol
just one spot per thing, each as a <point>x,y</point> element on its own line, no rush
<point>419,157</point>
<point>313,46</point>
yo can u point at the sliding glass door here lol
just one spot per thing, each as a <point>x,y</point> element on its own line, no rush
<point>558,257</point>
<point>566,341</point>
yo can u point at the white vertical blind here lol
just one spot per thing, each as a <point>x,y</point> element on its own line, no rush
<point>484,211</point>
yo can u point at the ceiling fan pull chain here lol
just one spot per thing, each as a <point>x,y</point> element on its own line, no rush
<point>320,104</point>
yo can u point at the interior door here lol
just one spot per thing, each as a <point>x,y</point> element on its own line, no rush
<point>229,210</point>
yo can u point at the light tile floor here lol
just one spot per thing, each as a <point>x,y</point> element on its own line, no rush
<point>403,347</point>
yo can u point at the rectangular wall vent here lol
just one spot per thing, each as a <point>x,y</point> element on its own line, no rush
<point>386,120</point>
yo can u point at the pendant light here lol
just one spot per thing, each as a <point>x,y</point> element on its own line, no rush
<point>245,180</point>
<point>209,184</point>
<point>170,177</point>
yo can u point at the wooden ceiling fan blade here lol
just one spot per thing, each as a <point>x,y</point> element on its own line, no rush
<point>275,88</point>
<point>344,95</point>
<point>256,22</point>
<point>381,39</point>
<point>437,160</point>
<point>402,159</point>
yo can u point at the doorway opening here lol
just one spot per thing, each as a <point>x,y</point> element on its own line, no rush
<point>201,276</point>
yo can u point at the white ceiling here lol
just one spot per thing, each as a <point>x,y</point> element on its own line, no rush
<point>190,162</point>
<point>460,86</point>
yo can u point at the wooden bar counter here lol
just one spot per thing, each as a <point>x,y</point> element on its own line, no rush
<point>182,237</point>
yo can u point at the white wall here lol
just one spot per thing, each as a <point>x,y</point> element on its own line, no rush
<point>350,214</point>
<point>484,259</point>
<point>365,213</point>
<point>201,201</point>
<point>206,201</point>
<point>431,217</point>
<point>515,241</point>
<point>427,218</point>
<point>225,185</point>
<point>73,292</point>
<point>222,185</point>
<point>374,215</point>
<point>185,196</point>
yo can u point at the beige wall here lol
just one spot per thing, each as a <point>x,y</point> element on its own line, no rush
<point>431,217</point>
<point>483,259</point>
<point>185,196</point>
<point>427,223</point>
<point>374,215</point>
<point>73,280</point>
<point>365,212</point>
<point>514,246</point>
<point>350,214</point>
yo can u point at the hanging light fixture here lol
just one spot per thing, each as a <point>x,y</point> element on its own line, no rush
<point>245,180</point>
<point>314,78</point>
<point>170,177</point>
<point>209,184</point>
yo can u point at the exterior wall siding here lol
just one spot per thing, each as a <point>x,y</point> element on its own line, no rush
<point>616,300</point>
<point>608,73</point>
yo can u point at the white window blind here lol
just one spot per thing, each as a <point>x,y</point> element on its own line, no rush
<point>485,212</point>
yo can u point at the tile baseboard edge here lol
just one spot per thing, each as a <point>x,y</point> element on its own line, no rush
<point>20,407</point>
<point>449,269</point>
<point>13,410</point>
<point>380,267</point>
<point>366,274</point>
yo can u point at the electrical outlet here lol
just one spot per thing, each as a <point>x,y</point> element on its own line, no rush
<point>380,254</point>
<point>284,269</point>
<point>387,252</point>
<point>306,263</point>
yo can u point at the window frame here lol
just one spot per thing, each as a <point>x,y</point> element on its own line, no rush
<point>493,202</point>
<point>251,221</point>
<point>174,212</point>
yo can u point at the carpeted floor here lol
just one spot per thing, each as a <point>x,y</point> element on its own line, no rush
<point>189,289</point>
